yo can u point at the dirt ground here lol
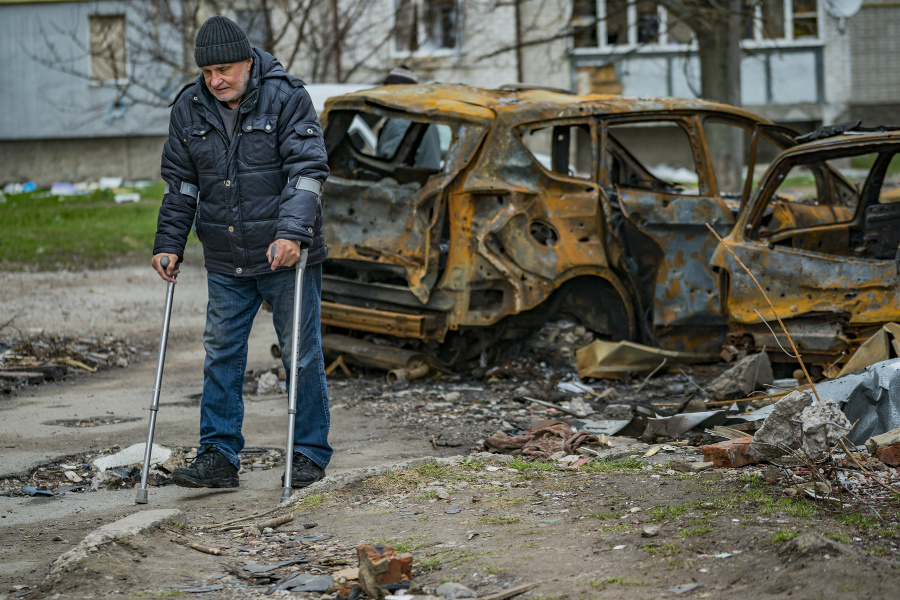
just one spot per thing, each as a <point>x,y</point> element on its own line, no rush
<point>623,525</point>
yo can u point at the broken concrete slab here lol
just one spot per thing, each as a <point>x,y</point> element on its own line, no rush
<point>750,373</point>
<point>127,527</point>
<point>877,442</point>
<point>779,435</point>
<point>133,455</point>
<point>823,424</point>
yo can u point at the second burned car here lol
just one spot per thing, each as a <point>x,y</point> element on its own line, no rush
<point>543,205</point>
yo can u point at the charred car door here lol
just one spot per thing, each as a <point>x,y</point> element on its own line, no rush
<point>821,235</point>
<point>659,204</point>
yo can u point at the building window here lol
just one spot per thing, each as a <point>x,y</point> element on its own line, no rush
<point>609,23</point>
<point>108,47</point>
<point>426,25</point>
<point>780,19</point>
<point>255,23</point>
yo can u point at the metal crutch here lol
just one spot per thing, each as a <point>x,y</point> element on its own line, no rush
<point>295,356</point>
<point>154,407</point>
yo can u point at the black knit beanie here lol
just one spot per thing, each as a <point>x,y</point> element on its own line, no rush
<point>221,41</point>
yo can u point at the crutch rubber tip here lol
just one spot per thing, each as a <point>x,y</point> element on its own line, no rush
<point>141,496</point>
<point>285,494</point>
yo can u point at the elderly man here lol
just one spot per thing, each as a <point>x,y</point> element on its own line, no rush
<point>245,159</point>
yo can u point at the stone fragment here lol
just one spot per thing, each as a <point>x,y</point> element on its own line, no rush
<point>695,405</point>
<point>442,494</point>
<point>877,442</point>
<point>452,590</point>
<point>268,384</point>
<point>616,412</point>
<point>748,374</point>
<point>697,467</point>
<point>685,588</point>
<point>730,453</point>
<point>779,435</point>
<point>823,424</point>
<point>380,565</point>
<point>890,455</point>
<point>610,395</point>
<point>650,531</point>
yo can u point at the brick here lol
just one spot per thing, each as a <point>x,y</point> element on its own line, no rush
<point>730,453</point>
<point>890,455</point>
<point>380,565</point>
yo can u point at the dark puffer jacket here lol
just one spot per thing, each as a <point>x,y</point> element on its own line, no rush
<point>243,192</point>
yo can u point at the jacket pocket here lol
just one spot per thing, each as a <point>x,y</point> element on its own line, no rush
<point>201,139</point>
<point>311,144</point>
<point>258,141</point>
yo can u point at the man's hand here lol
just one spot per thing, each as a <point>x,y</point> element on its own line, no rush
<point>169,273</point>
<point>287,253</point>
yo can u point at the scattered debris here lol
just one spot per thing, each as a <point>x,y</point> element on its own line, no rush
<point>622,360</point>
<point>731,453</point>
<point>750,373</point>
<point>380,565</point>
<point>542,442</point>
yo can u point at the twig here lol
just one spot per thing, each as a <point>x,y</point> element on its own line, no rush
<point>574,413</point>
<point>276,521</point>
<point>771,306</point>
<point>204,549</point>
<point>239,519</point>
<point>519,589</point>
<point>652,373</point>
<point>694,383</point>
<point>586,389</point>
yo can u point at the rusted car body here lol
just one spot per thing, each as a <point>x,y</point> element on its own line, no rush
<point>539,207</point>
<point>821,233</point>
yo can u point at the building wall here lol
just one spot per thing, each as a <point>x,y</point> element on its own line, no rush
<point>874,34</point>
<point>48,97</point>
<point>85,159</point>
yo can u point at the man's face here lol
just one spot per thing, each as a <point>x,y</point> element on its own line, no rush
<point>228,82</point>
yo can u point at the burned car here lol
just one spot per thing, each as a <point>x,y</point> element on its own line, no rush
<point>821,233</point>
<point>457,216</point>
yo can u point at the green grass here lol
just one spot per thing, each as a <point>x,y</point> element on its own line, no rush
<point>838,536</point>
<point>498,520</point>
<point>606,466</point>
<point>859,521</point>
<point>783,535</point>
<point>703,529</point>
<point>602,583</point>
<point>312,500</point>
<point>41,232</point>
<point>667,549</point>
<point>664,513</point>
<point>520,464</point>
<point>604,516</point>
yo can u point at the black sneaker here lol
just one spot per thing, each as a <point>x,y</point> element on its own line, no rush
<point>210,470</point>
<point>304,471</point>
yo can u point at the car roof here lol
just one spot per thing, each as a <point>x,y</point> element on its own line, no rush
<point>848,140</point>
<point>522,104</point>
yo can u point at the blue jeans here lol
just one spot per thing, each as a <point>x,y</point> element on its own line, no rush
<point>233,304</point>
